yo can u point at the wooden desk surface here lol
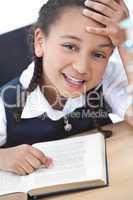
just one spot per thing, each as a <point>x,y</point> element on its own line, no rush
<point>120,165</point>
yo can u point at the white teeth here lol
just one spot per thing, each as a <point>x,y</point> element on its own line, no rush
<point>74,80</point>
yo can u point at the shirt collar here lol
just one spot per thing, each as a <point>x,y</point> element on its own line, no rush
<point>36,103</point>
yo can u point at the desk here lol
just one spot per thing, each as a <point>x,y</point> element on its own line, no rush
<point>120,165</point>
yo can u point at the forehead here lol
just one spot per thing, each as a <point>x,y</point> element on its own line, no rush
<point>74,15</point>
<point>72,21</point>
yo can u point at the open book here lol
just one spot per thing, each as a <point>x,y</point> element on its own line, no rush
<point>79,163</point>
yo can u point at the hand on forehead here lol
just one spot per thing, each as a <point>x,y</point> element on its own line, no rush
<point>109,13</point>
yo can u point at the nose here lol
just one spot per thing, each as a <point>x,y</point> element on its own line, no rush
<point>81,65</point>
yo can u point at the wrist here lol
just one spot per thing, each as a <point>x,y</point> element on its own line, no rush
<point>2,156</point>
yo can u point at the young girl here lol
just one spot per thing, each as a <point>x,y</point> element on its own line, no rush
<point>62,92</point>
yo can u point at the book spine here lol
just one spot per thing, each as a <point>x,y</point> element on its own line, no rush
<point>32,197</point>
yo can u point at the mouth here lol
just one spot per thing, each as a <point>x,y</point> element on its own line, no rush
<point>73,82</point>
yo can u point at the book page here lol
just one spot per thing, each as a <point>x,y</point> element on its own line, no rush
<point>11,183</point>
<point>14,196</point>
<point>76,159</point>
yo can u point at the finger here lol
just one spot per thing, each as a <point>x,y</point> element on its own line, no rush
<point>28,168</point>
<point>39,155</point>
<point>110,3</point>
<point>98,31</point>
<point>125,8</point>
<point>122,7</point>
<point>102,31</point>
<point>100,8</point>
<point>49,163</point>
<point>97,17</point>
<point>19,171</point>
<point>33,162</point>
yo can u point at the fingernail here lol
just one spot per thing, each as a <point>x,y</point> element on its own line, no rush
<point>85,11</point>
<point>86,2</point>
<point>88,28</point>
<point>49,163</point>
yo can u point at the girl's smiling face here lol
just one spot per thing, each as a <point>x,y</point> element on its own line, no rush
<point>74,60</point>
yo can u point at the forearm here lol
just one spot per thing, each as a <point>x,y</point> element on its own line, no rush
<point>127,59</point>
<point>2,157</point>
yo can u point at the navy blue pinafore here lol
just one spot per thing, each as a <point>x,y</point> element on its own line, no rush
<point>42,128</point>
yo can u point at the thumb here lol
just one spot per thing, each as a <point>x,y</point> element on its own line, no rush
<point>125,8</point>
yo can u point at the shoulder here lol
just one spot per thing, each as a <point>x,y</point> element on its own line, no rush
<point>9,91</point>
<point>23,80</point>
<point>2,112</point>
<point>1,104</point>
<point>9,85</point>
<point>3,123</point>
<point>15,85</point>
<point>26,75</point>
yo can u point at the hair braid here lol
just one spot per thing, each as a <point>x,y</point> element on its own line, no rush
<point>48,15</point>
<point>37,75</point>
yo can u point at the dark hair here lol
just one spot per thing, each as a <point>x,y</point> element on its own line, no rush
<point>48,15</point>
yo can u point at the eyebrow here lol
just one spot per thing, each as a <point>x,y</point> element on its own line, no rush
<point>71,37</point>
<point>110,45</point>
<point>106,45</point>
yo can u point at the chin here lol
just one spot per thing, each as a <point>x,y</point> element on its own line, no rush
<point>71,94</point>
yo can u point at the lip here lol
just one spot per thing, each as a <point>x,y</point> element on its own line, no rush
<point>71,84</point>
<point>75,77</point>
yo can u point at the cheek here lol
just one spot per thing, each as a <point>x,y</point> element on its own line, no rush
<point>53,65</point>
<point>55,59</point>
<point>98,72</point>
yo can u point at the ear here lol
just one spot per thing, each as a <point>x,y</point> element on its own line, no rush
<point>39,42</point>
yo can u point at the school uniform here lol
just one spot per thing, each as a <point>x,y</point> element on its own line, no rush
<point>40,122</point>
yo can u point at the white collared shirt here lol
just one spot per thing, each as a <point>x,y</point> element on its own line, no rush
<point>114,84</point>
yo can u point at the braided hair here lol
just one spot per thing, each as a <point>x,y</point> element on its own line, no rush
<point>48,15</point>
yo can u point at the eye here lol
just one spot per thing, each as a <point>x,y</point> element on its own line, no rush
<point>98,55</point>
<point>69,46</point>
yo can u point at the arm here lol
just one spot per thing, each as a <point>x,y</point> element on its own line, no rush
<point>23,159</point>
<point>2,123</point>
<point>112,12</point>
<point>114,84</point>
<point>127,58</point>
